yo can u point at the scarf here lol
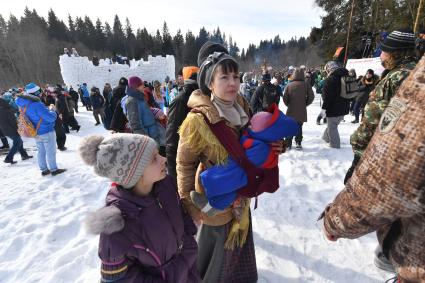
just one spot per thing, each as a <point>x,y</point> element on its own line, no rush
<point>230,111</point>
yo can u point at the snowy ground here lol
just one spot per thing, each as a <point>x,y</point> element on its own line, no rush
<point>42,238</point>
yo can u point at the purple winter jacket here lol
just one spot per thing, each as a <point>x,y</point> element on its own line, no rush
<point>145,239</point>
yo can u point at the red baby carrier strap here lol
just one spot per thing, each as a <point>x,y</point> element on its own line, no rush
<point>259,180</point>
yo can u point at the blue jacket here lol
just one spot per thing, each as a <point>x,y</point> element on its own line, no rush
<point>139,116</point>
<point>36,110</point>
<point>85,91</point>
<point>258,152</point>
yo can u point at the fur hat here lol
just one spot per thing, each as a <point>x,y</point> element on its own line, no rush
<point>399,40</point>
<point>209,48</point>
<point>33,89</point>
<point>122,158</point>
<point>134,82</point>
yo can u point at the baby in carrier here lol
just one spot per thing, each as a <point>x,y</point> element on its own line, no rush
<point>222,182</point>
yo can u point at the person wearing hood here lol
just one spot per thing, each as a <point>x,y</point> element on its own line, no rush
<point>297,96</point>
<point>177,112</point>
<point>138,113</point>
<point>145,236</point>
<point>245,89</point>
<point>334,106</point>
<point>43,120</point>
<point>9,128</point>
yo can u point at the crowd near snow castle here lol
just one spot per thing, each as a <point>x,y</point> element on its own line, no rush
<point>169,143</point>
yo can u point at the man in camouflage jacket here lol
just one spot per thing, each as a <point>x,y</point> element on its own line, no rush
<point>387,190</point>
<point>398,59</point>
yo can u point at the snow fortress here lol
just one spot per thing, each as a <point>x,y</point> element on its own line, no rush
<point>79,70</point>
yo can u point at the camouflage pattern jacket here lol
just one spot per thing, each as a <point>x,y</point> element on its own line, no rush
<point>387,190</point>
<point>378,101</point>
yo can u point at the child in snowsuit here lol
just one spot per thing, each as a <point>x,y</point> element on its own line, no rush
<point>145,236</point>
<point>265,128</point>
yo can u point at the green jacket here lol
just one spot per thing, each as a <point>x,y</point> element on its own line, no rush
<point>378,101</point>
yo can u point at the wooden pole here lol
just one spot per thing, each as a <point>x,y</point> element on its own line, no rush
<point>348,33</point>
<point>415,29</point>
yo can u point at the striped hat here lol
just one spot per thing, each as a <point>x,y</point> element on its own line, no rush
<point>122,158</point>
<point>399,40</point>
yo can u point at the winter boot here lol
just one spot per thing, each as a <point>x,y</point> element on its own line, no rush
<point>298,146</point>
<point>9,161</point>
<point>45,172</point>
<point>201,202</point>
<point>26,157</point>
<point>4,147</point>
<point>355,121</point>
<point>58,171</point>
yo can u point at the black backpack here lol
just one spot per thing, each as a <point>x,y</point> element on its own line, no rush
<point>270,96</point>
<point>349,87</point>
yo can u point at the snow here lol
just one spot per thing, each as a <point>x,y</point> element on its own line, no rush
<point>43,239</point>
<point>79,70</point>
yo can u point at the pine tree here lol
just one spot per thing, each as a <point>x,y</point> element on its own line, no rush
<point>190,52</point>
<point>167,45</point>
<point>202,37</point>
<point>118,38</point>
<point>130,39</point>
<point>56,29</point>
<point>100,39</point>
<point>71,28</point>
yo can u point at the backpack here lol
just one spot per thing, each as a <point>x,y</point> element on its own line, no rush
<point>25,126</point>
<point>349,87</point>
<point>270,96</point>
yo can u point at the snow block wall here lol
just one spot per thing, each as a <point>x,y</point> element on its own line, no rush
<point>79,70</point>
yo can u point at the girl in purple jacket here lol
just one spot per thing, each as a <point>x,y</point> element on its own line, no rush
<point>145,236</point>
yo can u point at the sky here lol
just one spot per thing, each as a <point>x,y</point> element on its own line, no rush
<point>246,21</point>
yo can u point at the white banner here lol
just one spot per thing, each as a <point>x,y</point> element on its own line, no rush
<point>362,65</point>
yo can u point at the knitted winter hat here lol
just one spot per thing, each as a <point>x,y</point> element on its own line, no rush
<point>209,48</point>
<point>134,82</point>
<point>123,81</point>
<point>120,157</point>
<point>33,89</point>
<point>399,40</point>
<point>208,67</point>
<point>331,66</point>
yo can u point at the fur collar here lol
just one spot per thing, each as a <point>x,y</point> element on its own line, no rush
<point>106,220</point>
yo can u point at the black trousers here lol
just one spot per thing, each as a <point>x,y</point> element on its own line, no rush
<point>298,137</point>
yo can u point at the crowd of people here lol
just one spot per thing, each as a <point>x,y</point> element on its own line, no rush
<point>169,217</point>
